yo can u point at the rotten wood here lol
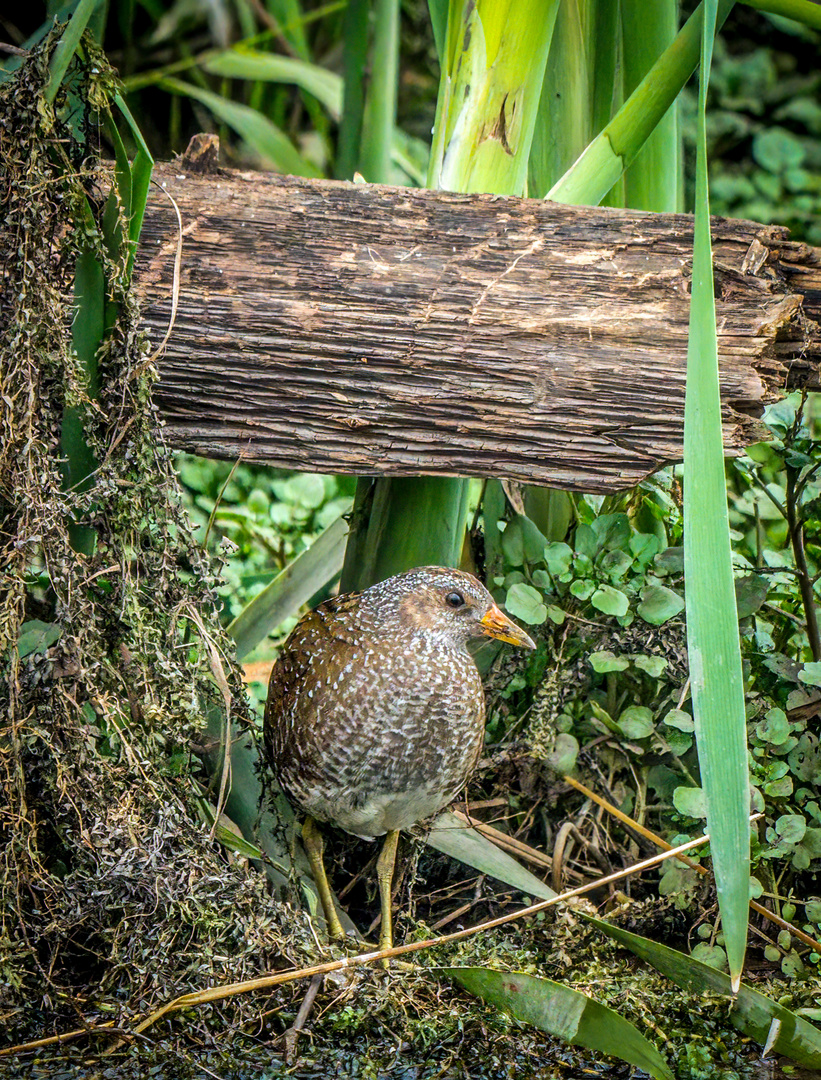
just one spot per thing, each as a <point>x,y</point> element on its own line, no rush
<point>373,330</point>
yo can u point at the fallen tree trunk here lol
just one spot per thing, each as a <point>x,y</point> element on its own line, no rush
<point>373,330</point>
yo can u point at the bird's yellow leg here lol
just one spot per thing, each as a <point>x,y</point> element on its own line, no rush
<point>384,875</point>
<point>314,846</point>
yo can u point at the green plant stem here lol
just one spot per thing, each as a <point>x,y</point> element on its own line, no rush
<point>380,107</point>
<point>354,59</point>
<point>805,585</point>
<point>401,523</point>
<point>601,165</point>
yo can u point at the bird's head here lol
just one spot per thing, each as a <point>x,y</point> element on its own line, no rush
<point>444,603</point>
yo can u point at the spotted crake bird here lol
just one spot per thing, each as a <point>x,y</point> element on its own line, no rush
<point>375,713</point>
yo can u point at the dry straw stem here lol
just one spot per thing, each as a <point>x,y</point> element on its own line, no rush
<point>266,982</point>
<point>657,840</point>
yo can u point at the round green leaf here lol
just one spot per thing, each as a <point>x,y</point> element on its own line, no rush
<point>558,558</point>
<point>652,665</point>
<point>711,955</point>
<point>690,801</point>
<point>750,594</point>
<point>677,718</point>
<point>636,721</point>
<point>563,756</point>
<point>774,728</point>
<point>525,603</point>
<point>658,604</point>
<point>791,828</point>
<point>811,674</point>
<point>777,150</point>
<point>609,600</point>
<point>582,590</point>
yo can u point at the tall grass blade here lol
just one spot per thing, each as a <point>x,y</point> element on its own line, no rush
<point>490,89</point>
<point>67,46</point>
<point>449,835</point>
<point>254,64</point>
<point>804,11</point>
<point>652,181</point>
<point>438,10</point>
<point>712,622</point>
<point>354,65</point>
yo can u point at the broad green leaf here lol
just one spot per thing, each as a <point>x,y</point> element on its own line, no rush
<point>750,593</point>
<point>791,828</point>
<point>325,85</point>
<point>612,531</point>
<point>564,754</point>
<point>750,1011</point>
<point>774,728</point>
<point>711,955</point>
<point>522,543</point>
<point>291,588</point>
<point>558,558</point>
<point>810,674</point>
<point>669,562</point>
<point>679,719</point>
<point>452,837</point>
<point>777,150</point>
<point>609,600</point>
<point>658,604</point>
<point>526,603</point>
<point>565,1013</point>
<point>654,666</point>
<point>257,130</point>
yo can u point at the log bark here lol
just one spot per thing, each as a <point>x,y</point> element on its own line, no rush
<point>373,330</point>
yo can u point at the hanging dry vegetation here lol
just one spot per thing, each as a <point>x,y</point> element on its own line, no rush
<point>114,896</point>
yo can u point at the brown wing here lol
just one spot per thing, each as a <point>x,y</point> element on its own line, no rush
<point>322,642</point>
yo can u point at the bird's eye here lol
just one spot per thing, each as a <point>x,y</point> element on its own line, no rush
<point>455,600</point>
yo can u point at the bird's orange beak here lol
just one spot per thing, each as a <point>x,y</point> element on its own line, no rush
<point>497,625</point>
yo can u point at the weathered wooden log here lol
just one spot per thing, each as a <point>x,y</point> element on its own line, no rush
<point>374,330</point>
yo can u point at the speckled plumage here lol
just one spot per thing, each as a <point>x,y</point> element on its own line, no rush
<point>375,713</point>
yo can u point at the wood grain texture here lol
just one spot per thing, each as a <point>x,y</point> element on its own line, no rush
<point>373,330</point>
